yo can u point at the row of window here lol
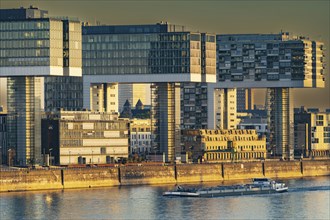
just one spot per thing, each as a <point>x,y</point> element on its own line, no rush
<point>139,46</point>
<point>24,25</point>
<point>170,37</point>
<point>131,54</point>
<point>137,62</point>
<point>137,70</point>
<point>42,34</point>
<point>19,44</point>
<point>140,143</point>
<point>140,136</point>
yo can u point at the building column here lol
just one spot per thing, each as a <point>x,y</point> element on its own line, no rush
<point>25,103</point>
<point>165,119</point>
<point>280,121</point>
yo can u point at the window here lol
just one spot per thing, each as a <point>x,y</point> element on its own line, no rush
<point>103,150</point>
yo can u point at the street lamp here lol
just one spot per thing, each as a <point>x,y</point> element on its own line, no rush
<point>155,148</point>
<point>50,157</point>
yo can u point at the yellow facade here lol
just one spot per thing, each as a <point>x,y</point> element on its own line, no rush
<point>223,145</point>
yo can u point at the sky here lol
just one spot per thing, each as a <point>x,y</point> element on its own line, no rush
<point>300,17</point>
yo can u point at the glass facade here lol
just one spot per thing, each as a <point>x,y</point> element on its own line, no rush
<point>25,43</point>
<point>24,118</point>
<point>155,53</point>
<point>63,92</point>
<point>194,95</point>
<point>40,42</point>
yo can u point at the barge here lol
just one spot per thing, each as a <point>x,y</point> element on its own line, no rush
<point>258,186</point>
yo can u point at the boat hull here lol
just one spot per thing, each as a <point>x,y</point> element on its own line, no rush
<point>222,193</point>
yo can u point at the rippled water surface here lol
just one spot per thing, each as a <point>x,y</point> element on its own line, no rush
<point>308,198</point>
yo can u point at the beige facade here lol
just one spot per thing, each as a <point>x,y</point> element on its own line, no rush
<point>104,97</point>
<point>140,136</point>
<point>82,137</point>
<point>224,145</point>
<point>320,131</point>
<point>225,108</point>
<point>312,134</point>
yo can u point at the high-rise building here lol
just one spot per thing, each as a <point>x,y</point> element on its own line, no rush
<point>33,46</point>
<point>194,106</point>
<point>162,54</point>
<point>275,61</point>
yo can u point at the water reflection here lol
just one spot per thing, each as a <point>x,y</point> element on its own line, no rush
<point>307,199</point>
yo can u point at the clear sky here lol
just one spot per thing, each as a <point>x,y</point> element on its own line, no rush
<point>301,17</point>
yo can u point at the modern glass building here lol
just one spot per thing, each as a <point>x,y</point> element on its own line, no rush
<point>32,47</point>
<point>275,61</point>
<point>161,53</point>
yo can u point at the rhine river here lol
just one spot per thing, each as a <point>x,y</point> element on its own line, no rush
<point>308,198</point>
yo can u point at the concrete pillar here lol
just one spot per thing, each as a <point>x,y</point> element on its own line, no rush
<point>25,103</point>
<point>280,121</point>
<point>165,119</point>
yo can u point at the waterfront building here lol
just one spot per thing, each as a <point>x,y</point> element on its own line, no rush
<point>277,62</point>
<point>312,133</point>
<point>140,136</point>
<point>33,46</point>
<point>223,145</point>
<point>84,137</point>
<point>163,54</point>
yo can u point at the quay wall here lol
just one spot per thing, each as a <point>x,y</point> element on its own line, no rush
<point>141,175</point>
<point>25,180</point>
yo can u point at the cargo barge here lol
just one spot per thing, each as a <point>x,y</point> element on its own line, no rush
<point>258,186</point>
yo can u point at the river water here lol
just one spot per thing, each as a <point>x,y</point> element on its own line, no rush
<point>308,198</point>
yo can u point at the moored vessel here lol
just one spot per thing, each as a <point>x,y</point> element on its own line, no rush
<point>258,186</point>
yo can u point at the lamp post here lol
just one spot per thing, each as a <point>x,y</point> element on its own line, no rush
<point>50,156</point>
<point>155,148</point>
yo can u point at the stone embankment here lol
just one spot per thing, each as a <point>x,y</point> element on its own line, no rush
<point>24,180</point>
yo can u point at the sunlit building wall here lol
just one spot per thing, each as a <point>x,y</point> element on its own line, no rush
<point>104,97</point>
<point>312,133</point>
<point>223,145</point>
<point>84,137</point>
<point>140,136</point>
